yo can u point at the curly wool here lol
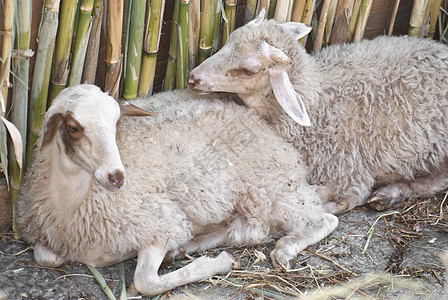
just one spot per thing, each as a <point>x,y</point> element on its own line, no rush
<point>187,166</point>
<point>377,108</point>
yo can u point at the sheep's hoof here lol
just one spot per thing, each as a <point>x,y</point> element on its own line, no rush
<point>280,261</point>
<point>380,201</point>
<point>131,291</point>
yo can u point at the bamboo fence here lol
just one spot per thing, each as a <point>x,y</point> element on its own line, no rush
<point>70,31</point>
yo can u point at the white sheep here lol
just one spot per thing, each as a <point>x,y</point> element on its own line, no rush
<point>202,173</point>
<point>366,115</point>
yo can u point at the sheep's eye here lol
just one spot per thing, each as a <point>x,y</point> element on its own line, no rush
<point>73,129</point>
<point>248,72</point>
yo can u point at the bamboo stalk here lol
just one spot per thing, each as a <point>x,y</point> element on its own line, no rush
<point>362,20</point>
<point>182,50</point>
<point>170,76</point>
<point>272,8</point>
<point>342,22</point>
<point>394,16</point>
<point>61,66</point>
<point>217,26</point>
<point>321,28</point>
<point>435,8</point>
<point>193,33</point>
<point>8,23</point>
<point>281,11</point>
<point>249,11</point>
<point>206,29</point>
<point>134,53</point>
<point>307,16</point>
<point>417,15</point>
<point>81,41</point>
<point>229,26</point>
<point>114,22</point>
<point>41,75</point>
<point>354,21</point>
<point>290,7</point>
<point>19,105</point>
<point>93,48</point>
<point>297,10</point>
<point>151,46</point>
<point>330,21</point>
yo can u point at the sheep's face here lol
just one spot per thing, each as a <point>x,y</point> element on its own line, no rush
<point>253,64</point>
<point>82,124</point>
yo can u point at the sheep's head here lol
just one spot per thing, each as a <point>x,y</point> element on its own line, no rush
<point>253,63</point>
<point>82,123</point>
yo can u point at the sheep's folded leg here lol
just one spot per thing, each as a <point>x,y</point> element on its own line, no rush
<point>289,246</point>
<point>148,282</point>
<point>386,196</point>
<point>46,257</point>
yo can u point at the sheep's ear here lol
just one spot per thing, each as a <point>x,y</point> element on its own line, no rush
<point>298,30</point>
<point>128,109</point>
<point>287,97</point>
<point>259,18</point>
<point>274,53</point>
<point>51,127</point>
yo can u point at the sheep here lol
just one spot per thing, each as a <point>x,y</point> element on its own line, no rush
<point>367,116</point>
<point>202,173</point>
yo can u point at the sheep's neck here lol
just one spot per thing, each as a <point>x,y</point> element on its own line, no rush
<point>69,184</point>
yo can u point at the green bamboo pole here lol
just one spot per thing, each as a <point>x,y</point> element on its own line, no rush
<point>364,13</point>
<point>114,23</point>
<point>151,46</point>
<point>81,42</point>
<point>272,9</point>
<point>206,29</point>
<point>182,50</point>
<point>134,53</point>
<point>249,12</point>
<point>170,76</point>
<point>229,26</point>
<point>217,26</point>
<point>193,33</point>
<point>435,8</point>
<point>321,27</point>
<point>8,23</point>
<point>61,66</point>
<point>416,21</point>
<point>354,20</point>
<point>7,45</point>
<point>19,105</point>
<point>42,72</point>
<point>93,48</point>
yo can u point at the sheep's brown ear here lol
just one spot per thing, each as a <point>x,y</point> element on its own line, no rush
<point>287,97</point>
<point>128,109</point>
<point>298,30</point>
<point>51,127</point>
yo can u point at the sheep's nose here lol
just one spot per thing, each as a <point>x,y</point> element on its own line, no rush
<point>192,81</point>
<point>116,178</point>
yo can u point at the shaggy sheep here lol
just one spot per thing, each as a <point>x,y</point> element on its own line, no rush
<point>202,173</point>
<point>375,112</point>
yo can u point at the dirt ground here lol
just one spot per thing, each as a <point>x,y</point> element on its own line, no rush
<point>401,261</point>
